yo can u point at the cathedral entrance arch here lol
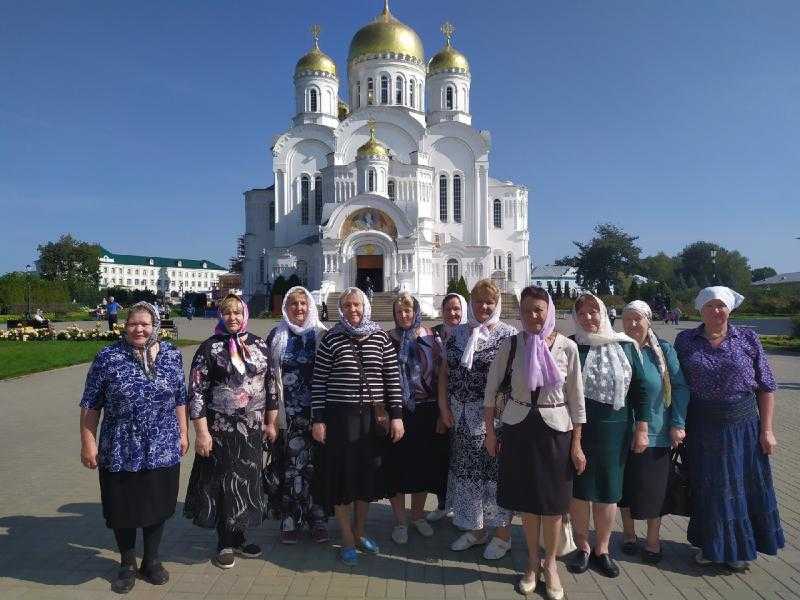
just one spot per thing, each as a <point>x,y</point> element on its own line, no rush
<point>371,257</point>
<point>369,269</point>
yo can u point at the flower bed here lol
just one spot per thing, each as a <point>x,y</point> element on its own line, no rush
<point>28,334</point>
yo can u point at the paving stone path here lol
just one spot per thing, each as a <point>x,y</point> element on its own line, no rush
<point>53,542</point>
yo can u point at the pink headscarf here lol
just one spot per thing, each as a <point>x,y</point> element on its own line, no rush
<point>238,350</point>
<point>542,369</point>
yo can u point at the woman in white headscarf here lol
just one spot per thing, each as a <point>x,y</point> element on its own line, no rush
<point>287,477</point>
<point>730,436</point>
<point>615,399</point>
<point>646,474</point>
<point>472,481</point>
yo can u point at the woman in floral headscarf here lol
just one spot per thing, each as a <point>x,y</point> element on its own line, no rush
<point>138,385</point>
<point>232,404</point>
<point>615,398</point>
<point>414,465</point>
<point>293,344</point>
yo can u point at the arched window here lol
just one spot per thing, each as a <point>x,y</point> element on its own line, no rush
<point>449,97</point>
<point>312,100</point>
<point>510,267</point>
<point>443,198</point>
<point>399,88</point>
<point>318,200</point>
<point>384,89</point>
<point>357,95</point>
<point>411,86</point>
<point>457,198</point>
<point>452,270</point>
<point>305,192</point>
<point>391,189</point>
<point>371,180</point>
<point>370,91</point>
<point>498,213</point>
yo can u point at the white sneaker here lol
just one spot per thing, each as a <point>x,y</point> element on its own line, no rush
<point>468,540</point>
<point>436,515</point>
<point>496,549</point>
<point>400,534</point>
<point>422,526</point>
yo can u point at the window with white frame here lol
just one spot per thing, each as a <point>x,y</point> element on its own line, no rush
<point>313,101</point>
<point>457,198</point>
<point>443,198</point>
<point>497,210</point>
<point>384,89</point>
<point>452,270</point>
<point>272,216</point>
<point>391,189</point>
<point>449,97</point>
<point>371,180</point>
<point>305,192</point>
<point>318,200</point>
<point>399,88</point>
<point>411,86</point>
<point>370,91</point>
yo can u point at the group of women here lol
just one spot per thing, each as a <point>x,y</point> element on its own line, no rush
<point>492,420</point>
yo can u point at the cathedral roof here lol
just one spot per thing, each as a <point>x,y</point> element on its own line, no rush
<point>448,58</point>
<point>315,60</point>
<point>386,35</point>
<point>373,147</point>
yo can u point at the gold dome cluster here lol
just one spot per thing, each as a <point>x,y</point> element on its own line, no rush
<point>448,58</point>
<point>316,60</point>
<point>386,35</point>
<point>373,148</point>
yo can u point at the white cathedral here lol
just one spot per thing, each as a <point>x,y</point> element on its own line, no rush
<point>392,187</point>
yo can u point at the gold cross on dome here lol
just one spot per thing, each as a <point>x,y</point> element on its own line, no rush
<point>371,125</point>
<point>315,31</point>
<point>448,30</point>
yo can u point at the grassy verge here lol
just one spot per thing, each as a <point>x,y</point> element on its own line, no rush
<point>781,342</point>
<point>22,358</point>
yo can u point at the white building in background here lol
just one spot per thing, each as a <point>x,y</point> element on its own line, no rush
<point>173,276</point>
<point>393,185</point>
<point>555,275</point>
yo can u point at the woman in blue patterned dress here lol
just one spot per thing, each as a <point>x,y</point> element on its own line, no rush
<point>472,480</point>
<point>288,476</point>
<point>729,436</point>
<point>233,407</point>
<point>138,385</point>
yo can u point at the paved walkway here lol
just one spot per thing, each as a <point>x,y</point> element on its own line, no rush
<point>53,542</point>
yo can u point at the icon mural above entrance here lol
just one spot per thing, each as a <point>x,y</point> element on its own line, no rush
<point>369,219</point>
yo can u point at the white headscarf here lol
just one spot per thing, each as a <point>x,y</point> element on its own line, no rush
<point>284,327</point>
<point>607,372</point>
<point>731,298</point>
<point>643,308</point>
<point>480,331</point>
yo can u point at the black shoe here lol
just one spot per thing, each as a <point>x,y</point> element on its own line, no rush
<point>651,558</point>
<point>248,550</point>
<point>579,562</point>
<point>631,547</point>
<point>605,565</point>
<point>154,573</point>
<point>126,578</point>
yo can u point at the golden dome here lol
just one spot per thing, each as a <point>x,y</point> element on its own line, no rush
<point>448,58</point>
<point>316,59</point>
<point>386,35</point>
<point>373,147</point>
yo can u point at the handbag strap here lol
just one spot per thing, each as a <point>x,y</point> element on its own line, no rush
<point>363,381</point>
<point>506,383</point>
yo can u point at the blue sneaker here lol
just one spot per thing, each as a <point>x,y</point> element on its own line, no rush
<point>367,545</point>
<point>348,556</point>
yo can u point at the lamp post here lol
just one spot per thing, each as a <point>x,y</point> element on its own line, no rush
<point>714,265</point>
<point>28,287</point>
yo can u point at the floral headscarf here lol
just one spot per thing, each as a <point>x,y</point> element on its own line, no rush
<point>410,369</point>
<point>146,355</point>
<point>239,353</point>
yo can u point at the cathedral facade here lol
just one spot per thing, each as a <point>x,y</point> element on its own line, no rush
<point>391,187</point>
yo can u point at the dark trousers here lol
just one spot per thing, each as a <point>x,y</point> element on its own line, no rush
<point>126,541</point>
<point>229,538</point>
<point>112,320</point>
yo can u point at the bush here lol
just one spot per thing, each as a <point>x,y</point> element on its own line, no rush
<point>796,326</point>
<point>458,287</point>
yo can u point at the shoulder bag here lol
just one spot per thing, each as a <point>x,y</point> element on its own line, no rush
<point>503,394</point>
<point>379,414</point>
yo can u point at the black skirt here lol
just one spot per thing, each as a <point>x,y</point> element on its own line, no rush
<point>351,464</point>
<point>644,487</point>
<point>140,498</point>
<point>415,463</point>
<point>535,467</point>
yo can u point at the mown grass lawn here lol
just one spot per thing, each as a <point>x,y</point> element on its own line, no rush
<point>781,342</point>
<point>21,358</point>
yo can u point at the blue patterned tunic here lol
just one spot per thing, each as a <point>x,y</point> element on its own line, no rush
<point>297,368</point>
<point>140,429</point>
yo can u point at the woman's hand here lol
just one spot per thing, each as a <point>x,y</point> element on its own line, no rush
<point>270,432</point>
<point>184,443</point>
<point>490,442</point>
<point>203,444</point>
<point>446,416</point>
<point>578,459</point>
<point>396,430</point>
<point>89,454</point>
<point>318,432</point>
<point>677,435</point>
<point>640,441</point>
<point>441,428</point>
<point>768,442</point>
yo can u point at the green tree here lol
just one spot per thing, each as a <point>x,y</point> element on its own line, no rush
<point>74,262</point>
<point>567,291</point>
<point>633,291</point>
<point>236,263</point>
<point>660,267</point>
<point>762,273</point>
<point>603,260</point>
<point>550,289</point>
<point>458,286</point>
<point>710,264</point>
<point>559,291</point>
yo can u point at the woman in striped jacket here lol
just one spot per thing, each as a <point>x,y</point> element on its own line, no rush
<point>356,411</point>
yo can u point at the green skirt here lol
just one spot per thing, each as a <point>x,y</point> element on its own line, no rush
<point>606,440</point>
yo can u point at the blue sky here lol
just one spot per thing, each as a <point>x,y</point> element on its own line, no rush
<point>139,125</point>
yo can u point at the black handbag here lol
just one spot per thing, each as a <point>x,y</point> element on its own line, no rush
<point>678,500</point>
